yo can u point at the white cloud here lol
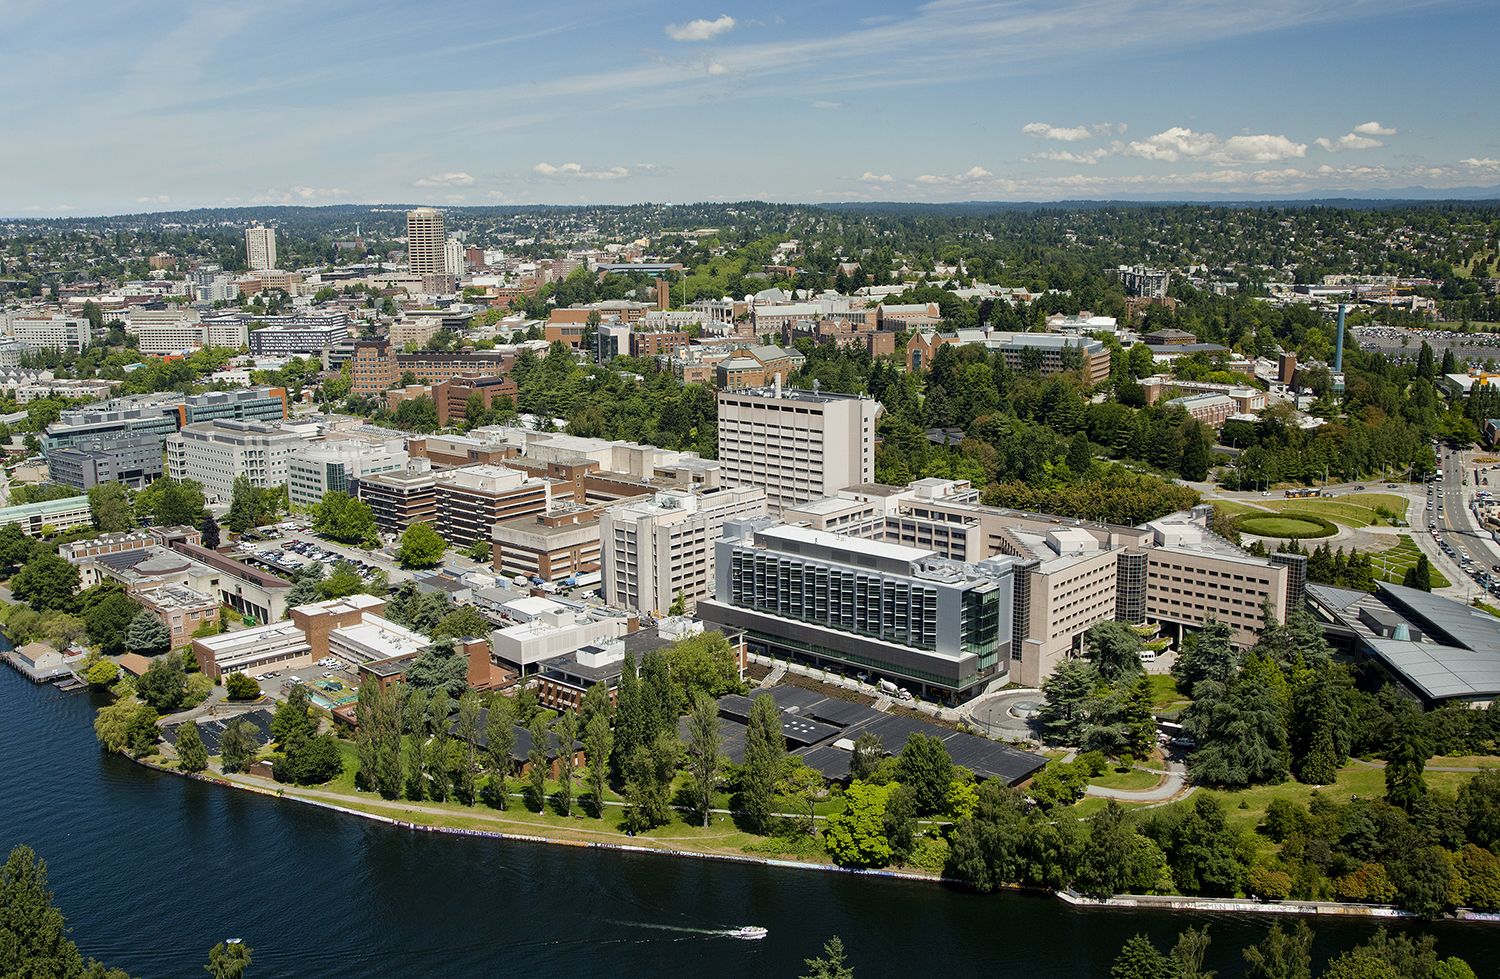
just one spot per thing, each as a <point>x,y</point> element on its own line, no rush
<point>1066,156</point>
<point>445,180</point>
<point>714,68</point>
<point>1040,130</point>
<point>973,175</point>
<point>700,30</point>
<point>576,171</point>
<point>1373,128</point>
<point>455,198</point>
<point>877,178</point>
<point>274,196</point>
<point>153,200</point>
<point>1353,141</point>
<point>1475,162</point>
<point>33,207</point>
<point>1178,143</point>
<point>828,105</point>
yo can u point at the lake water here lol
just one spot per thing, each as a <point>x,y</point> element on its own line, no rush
<point>152,870</point>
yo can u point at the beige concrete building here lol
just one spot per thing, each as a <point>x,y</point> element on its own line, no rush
<point>260,248</point>
<point>799,445</point>
<point>426,252</point>
<point>549,546</point>
<point>652,550</point>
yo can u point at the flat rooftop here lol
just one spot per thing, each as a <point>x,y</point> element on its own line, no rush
<point>821,538</point>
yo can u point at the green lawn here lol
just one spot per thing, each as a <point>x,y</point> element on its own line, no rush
<point>1129,779</point>
<point>1164,692</point>
<point>1269,526</point>
<point>1091,806</point>
<point>1354,780</point>
<point>1399,559</point>
<point>1357,510</point>
<point>1235,508</point>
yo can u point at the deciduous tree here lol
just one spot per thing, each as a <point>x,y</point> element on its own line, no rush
<point>421,547</point>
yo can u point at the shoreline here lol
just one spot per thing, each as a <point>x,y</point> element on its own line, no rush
<point>1135,902</point>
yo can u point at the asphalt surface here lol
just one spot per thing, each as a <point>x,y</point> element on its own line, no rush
<point>1458,528</point>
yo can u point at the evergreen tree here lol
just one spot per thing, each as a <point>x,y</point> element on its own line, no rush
<point>1406,758</point>
<point>1068,700</point>
<point>210,530</point>
<point>147,635</point>
<point>765,751</point>
<point>567,737</point>
<point>1210,655</point>
<point>1139,959</point>
<point>598,743</point>
<point>704,752</point>
<point>629,720</point>
<point>536,760</point>
<point>191,754</point>
<point>236,747</point>
<point>832,967</point>
<point>1419,575</point>
<point>500,731</point>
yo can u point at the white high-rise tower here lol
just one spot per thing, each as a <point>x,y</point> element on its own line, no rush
<point>260,248</point>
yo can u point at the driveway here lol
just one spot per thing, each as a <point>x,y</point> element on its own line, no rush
<point>996,715</point>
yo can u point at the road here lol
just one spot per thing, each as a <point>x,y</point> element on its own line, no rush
<point>1455,531</point>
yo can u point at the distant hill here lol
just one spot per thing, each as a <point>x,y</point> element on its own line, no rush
<point>1406,197</point>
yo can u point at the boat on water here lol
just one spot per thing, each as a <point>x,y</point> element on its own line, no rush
<point>750,933</point>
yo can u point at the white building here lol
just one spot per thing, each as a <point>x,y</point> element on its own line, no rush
<point>653,549</point>
<point>426,251</point>
<point>319,467</point>
<point>166,331</point>
<point>554,633</point>
<point>54,332</point>
<point>260,248</point>
<point>215,453</point>
<point>799,445</point>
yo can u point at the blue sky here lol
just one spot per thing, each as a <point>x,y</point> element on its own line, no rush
<point>132,106</point>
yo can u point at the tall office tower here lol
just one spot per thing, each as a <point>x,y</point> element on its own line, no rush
<point>425,242</point>
<point>260,248</point>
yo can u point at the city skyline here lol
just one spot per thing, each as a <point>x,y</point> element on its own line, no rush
<point>183,106</point>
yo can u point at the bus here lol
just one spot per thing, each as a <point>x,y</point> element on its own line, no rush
<point>1298,494</point>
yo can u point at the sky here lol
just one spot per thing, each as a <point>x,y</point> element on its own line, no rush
<point>124,106</point>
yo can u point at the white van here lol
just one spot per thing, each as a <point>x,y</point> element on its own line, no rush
<point>1148,656</point>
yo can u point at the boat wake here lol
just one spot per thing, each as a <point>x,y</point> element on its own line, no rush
<point>745,933</point>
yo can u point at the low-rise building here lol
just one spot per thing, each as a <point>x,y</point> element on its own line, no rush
<point>401,498</point>
<point>1210,409</point>
<point>553,634</point>
<point>471,500</point>
<point>133,460</point>
<point>181,609</point>
<point>50,515</point>
<point>757,367</point>
<point>550,546</point>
